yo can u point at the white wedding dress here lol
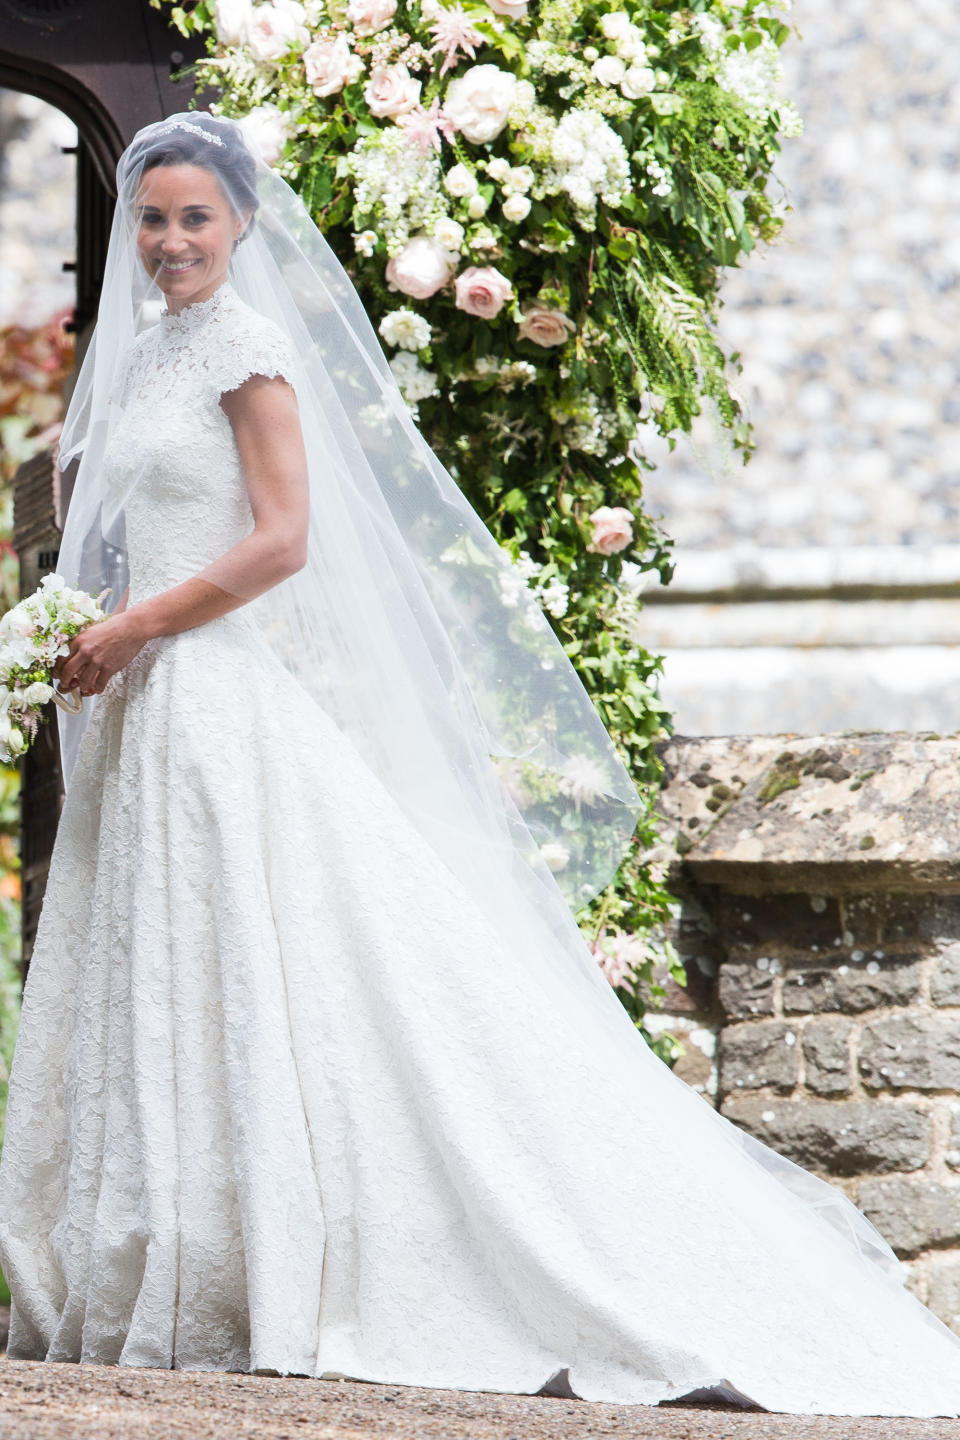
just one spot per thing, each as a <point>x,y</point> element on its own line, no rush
<point>283,1099</point>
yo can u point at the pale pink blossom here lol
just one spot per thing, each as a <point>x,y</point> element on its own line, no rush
<point>545,326</point>
<point>422,268</point>
<point>619,957</point>
<point>424,127</point>
<point>612,529</point>
<point>267,129</point>
<point>512,9</point>
<point>482,291</point>
<point>391,91</point>
<point>273,30</point>
<point>478,102</point>
<point>369,16</point>
<point>454,32</point>
<point>330,65</point>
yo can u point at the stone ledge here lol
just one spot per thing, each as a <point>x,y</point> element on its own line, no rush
<point>827,814</point>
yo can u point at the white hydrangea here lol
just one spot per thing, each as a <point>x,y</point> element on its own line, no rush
<point>396,182</point>
<point>587,159</point>
<point>405,329</point>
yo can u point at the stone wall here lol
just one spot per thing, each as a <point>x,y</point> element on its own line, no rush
<point>820,924</point>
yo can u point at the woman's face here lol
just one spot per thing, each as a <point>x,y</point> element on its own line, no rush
<point>186,229</point>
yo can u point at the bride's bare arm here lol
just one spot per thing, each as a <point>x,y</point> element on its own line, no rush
<point>266,424</point>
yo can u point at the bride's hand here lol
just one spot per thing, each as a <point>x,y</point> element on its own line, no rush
<point>97,653</point>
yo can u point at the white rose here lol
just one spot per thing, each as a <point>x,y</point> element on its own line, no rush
<point>516,207</point>
<point>421,269</point>
<point>449,234</point>
<point>631,46</point>
<point>391,91</point>
<point>479,101</point>
<point>405,329</point>
<point>266,130</point>
<point>498,169</point>
<point>521,177</point>
<point>460,181</point>
<point>276,29</point>
<point>369,16</point>
<point>639,80</point>
<point>232,20</point>
<point>37,694</point>
<point>557,856</point>
<point>609,69</point>
<point>615,24</point>
<point>476,206</point>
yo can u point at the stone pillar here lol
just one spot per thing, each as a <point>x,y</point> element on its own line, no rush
<point>820,918</point>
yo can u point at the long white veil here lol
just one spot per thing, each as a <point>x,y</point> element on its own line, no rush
<point>408,624</point>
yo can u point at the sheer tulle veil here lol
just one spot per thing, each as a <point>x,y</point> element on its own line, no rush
<point>409,624</point>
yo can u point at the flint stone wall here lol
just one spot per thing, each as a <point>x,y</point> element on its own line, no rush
<point>820,927</point>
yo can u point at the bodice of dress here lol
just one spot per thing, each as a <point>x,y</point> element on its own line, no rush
<point>171,460</point>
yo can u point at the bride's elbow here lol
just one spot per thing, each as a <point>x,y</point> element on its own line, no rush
<point>295,556</point>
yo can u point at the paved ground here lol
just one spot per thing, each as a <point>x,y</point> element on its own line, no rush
<point>92,1402</point>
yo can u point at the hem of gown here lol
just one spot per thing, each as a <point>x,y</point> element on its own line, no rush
<point>561,1383</point>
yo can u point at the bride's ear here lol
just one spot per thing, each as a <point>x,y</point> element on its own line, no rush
<point>244,226</point>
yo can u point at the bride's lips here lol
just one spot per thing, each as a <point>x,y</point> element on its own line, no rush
<point>178,267</point>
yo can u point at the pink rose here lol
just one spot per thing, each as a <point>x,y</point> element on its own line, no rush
<point>422,268</point>
<point>369,16</point>
<point>330,65</point>
<point>482,291</point>
<point>612,529</point>
<point>544,326</point>
<point>390,91</point>
<point>273,30</point>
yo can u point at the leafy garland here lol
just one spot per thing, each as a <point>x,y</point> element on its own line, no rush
<point>534,201</point>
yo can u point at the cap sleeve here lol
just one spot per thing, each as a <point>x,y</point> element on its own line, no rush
<point>252,349</point>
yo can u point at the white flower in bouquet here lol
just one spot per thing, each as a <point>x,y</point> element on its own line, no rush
<point>557,856</point>
<point>232,19</point>
<point>422,268</point>
<point>478,102</point>
<point>369,16</point>
<point>460,182</point>
<point>582,779</point>
<point>274,29</point>
<point>416,383</point>
<point>449,234</point>
<point>406,329</point>
<point>33,635</point>
<point>267,129</point>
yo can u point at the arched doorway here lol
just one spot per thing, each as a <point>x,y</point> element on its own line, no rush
<point>110,67</point>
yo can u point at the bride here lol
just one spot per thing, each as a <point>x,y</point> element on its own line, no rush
<point>316,1074</point>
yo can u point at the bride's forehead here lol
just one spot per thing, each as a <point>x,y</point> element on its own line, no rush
<point>178,186</point>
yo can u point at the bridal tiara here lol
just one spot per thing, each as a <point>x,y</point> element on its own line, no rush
<point>191,130</point>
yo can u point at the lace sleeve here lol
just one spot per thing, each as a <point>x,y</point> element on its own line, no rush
<point>256,349</point>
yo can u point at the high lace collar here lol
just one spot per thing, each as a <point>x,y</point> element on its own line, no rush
<point>194,314</point>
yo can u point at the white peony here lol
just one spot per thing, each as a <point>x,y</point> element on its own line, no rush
<point>516,207</point>
<point>512,9</point>
<point>405,329</point>
<point>369,16</point>
<point>422,268</point>
<point>232,20</point>
<point>460,181</point>
<point>609,69</point>
<point>266,130</point>
<point>449,234</point>
<point>639,80</point>
<point>277,28</point>
<point>479,101</point>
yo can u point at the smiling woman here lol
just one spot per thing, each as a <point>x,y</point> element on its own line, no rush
<point>187,232</point>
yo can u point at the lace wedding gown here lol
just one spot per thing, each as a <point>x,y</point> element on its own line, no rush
<point>283,1100</point>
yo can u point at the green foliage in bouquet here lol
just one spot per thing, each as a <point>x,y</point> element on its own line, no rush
<point>535,202</point>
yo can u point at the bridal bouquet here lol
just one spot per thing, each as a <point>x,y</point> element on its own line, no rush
<point>33,635</point>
